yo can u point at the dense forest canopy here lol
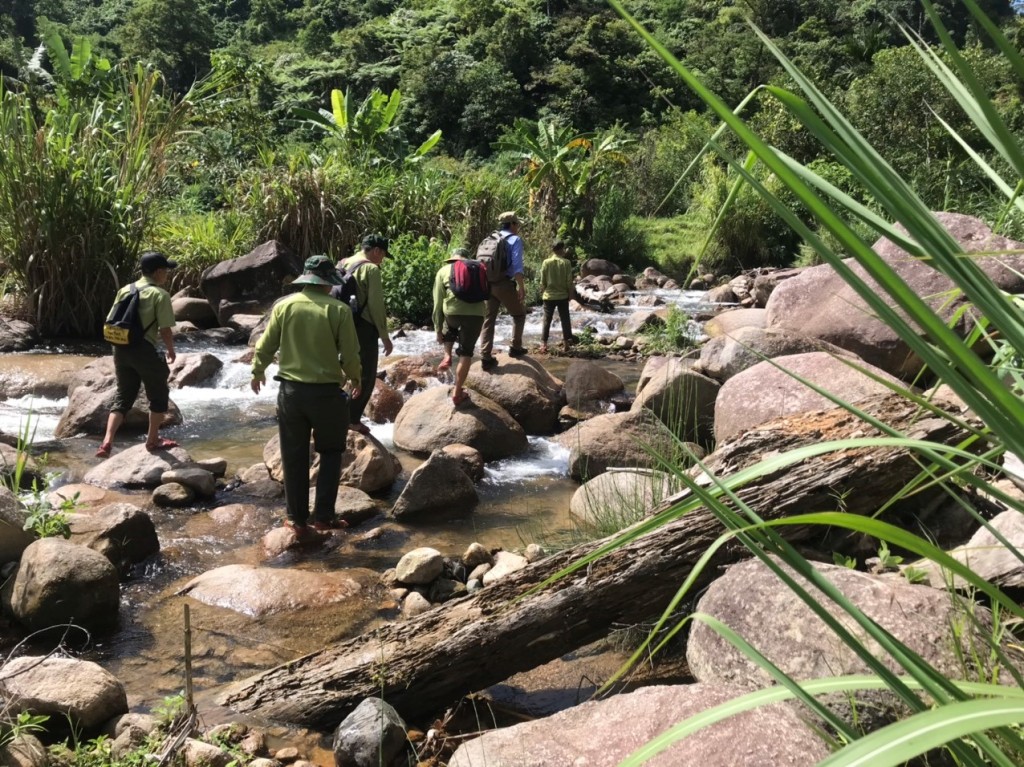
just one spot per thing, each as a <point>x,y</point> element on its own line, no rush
<point>469,67</point>
<point>312,121</point>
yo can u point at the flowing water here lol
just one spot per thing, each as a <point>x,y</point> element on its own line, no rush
<point>522,500</point>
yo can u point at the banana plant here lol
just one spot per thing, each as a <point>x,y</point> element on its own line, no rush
<point>563,168</point>
<point>368,132</point>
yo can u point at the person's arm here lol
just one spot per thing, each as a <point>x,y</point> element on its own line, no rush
<point>439,291</point>
<point>516,254</point>
<point>167,334</point>
<point>374,311</point>
<point>545,270</point>
<point>165,321</point>
<point>263,355</point>
<point>348,349</point>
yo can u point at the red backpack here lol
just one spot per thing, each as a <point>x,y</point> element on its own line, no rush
<point>468,281</point>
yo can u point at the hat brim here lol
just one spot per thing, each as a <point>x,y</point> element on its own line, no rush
<point>314,279</point>
<point>172,264</point>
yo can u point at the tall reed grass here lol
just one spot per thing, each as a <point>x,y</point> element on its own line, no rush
<point>78,176</point>
<point>976,722</point>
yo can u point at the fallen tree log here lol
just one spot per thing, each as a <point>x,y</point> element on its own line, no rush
<point>425,663</point>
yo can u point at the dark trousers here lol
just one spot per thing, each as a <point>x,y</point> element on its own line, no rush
<point>368,354</point>
<point>320,409</point>
<point>562,305</point>
<point>504,293</point>
<point>137,366</point>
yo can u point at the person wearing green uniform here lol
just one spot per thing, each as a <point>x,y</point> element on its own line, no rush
<point>556,284</point>
<point>456,320</point>
<point>316,337</point>
<point>371,322</point>
<point>141,364</point>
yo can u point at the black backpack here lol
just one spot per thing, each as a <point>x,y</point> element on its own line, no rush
<point>468,281</point>
<point>496,255</point>
<point>124,326</point>
<point>346,291</point>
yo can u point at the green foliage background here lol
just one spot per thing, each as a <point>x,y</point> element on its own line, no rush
<point>492,78</point>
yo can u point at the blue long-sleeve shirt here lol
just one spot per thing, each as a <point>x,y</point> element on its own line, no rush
<point>516,251</point>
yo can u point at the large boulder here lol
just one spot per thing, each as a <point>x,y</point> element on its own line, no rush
<point>987,555</point>
<point>726,355</point>
<point>193,369</point>
<point>195,310</point>
<point>727,323</point>
<point>765,392</point>
<point>429,421</point>
<point>411,373</point>
<point>682,398</point>
<point>602,733</point>
<point>90,397</point>
<point>260,591</point>
<point>754,603</point>
<point>818,302</point>
<point>16,335</point>
<point>586,381</point>
<point>81,691</point>
<point>60,582</point>
<point>599,266</point>
<point>121,532</point>
<point>254,280</point>
<point>616,440</point>
<point>136,467</point>
<point>366,464</point>
<point>14,539</point>
<point>524,388</point>
<point>619,497</point>
<point>438,486</point>
<point>384,404</point>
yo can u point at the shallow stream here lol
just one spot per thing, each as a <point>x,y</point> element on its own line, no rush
<point>523,500</point>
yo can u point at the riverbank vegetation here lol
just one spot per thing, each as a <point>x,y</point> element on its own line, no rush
<point>206,128</point>
<point>974,721</point>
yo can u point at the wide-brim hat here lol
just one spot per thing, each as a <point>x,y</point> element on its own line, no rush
<point>318,270</point>
<point>509,217</point>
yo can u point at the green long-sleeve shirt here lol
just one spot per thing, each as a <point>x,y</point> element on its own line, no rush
<point>369,293</point>
<point>556,278</point>
<point>316,336</point>
<point>445,302</point>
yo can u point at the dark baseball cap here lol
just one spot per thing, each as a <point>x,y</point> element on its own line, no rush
<point>318,270</point>
<point>376,241</point>
<point>152,260</point>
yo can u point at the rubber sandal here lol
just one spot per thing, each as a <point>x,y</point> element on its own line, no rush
<point>359,428</point>
<point>458,399</point>
<point>162,444</point>
<point>333,524</point>
<point>103,451</point>
<point>444,365</point>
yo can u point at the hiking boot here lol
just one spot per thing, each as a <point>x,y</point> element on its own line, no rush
<point>489,363</point>
<point>516,351</point>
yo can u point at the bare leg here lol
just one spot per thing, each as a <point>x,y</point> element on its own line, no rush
<point>153,433</point>
<point>461,374</point>
<point>114,421</point>
<point>446,361</point>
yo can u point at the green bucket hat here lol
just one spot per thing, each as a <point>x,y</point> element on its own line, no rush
<point>318,270</point>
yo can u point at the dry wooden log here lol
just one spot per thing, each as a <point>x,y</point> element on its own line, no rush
<point>423,664</point>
